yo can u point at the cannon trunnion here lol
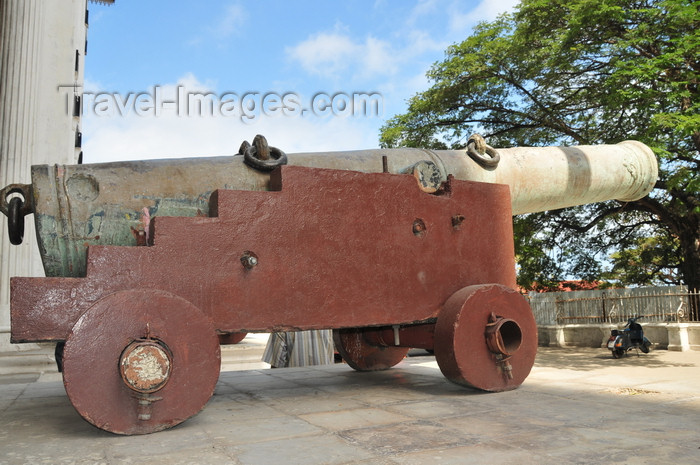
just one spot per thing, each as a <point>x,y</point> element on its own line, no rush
<point>370,255</point>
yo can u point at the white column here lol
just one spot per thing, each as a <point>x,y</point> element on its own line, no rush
<point>20,48</point>
<point>38,43</point>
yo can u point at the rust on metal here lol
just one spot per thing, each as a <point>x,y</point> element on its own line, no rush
<point>230,245</point>
<point>370,255</point>
<point>503,338</point>
<point>462,350</point>
<point>457,221</point>
<point>95,351</point>
<point>231,338</point>
<point>145,366</point>
<point>419,227</point>
<point>428,176</point>
<point>503,335</point>
<point>335,249</point>
<point>361,354</point>
<point>421,336</point>
<point>140,236</point>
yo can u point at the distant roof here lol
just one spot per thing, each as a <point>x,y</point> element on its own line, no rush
<point>568,286</point>
<point>104,2</point>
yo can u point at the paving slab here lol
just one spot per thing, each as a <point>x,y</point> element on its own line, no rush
<point>577,406</point>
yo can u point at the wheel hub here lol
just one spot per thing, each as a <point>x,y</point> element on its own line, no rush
<point>145,366</point>
<point>503,335</point>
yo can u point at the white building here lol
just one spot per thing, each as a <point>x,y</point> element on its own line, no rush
<point>42,54</point>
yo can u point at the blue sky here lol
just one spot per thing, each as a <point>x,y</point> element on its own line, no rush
<point>289,70</point>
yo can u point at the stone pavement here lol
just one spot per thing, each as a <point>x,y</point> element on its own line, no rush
<point>577,406</point>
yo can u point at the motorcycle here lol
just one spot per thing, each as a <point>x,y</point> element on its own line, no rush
<point>631,337</point>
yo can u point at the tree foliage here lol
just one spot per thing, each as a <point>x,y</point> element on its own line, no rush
<point>563,72</point>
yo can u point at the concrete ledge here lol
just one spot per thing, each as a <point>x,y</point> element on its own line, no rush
<point>672,336</point>
<point>32,359</point>
<point>583,335</point>
<point>38,359</point>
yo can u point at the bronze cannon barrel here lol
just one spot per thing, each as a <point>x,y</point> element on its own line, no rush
<point>79,205</point>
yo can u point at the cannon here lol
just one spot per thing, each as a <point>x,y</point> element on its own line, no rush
<point>150,265</point>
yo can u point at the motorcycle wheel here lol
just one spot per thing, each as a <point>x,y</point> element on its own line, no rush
<point>644,348</point>
<point>618,353</point>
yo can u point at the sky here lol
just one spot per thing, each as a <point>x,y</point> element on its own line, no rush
<point>186,79</point>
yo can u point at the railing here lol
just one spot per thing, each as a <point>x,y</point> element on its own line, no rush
<point>656,304</point>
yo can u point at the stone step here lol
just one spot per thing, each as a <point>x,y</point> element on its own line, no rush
<point>35,361</point>
<point>246,355</point>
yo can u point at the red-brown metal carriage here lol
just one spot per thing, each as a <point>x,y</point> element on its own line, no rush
<point>385,261</point>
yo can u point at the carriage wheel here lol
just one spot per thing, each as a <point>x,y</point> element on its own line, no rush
<point>363,356</point>
<point>486,337</point>
<point>231,338</point>
<point>140,361</point>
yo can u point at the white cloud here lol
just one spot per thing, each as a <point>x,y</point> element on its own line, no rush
<point>421,10</point>
<point>418,83</point>
<point>90,85</point>
<point>398,57</point>
<point>224,24</point>
<point>337,53</point>
<point>325,54</point>
<point>462,19</point>
<point>232,20</point>
<point>131,132</point>
<point>378,57</point>
<point>332,54</point>
<point>151,138</point>
<point>191,83</point>
<point>419,41</point>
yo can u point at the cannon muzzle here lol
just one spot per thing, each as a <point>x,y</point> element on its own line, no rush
<point>76,206</point>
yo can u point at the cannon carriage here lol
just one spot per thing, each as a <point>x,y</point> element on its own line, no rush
<point>150,265</point>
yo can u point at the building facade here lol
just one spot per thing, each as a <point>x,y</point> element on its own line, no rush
<point>43,44</point>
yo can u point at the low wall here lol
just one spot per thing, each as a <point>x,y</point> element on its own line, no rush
<point>671,336</point>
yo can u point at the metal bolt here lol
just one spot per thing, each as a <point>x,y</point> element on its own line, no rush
<point>144,410</point>
<point>419,228</point>
<point>249,260</point>
<point>457,221</point>
<point>144,407</point>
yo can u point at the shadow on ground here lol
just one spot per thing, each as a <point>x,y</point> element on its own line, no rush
<point>593,359</point>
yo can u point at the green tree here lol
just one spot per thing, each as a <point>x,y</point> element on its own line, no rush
<point>582,72</point>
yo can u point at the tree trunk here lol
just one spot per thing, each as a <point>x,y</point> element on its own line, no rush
<point>690,265</point>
